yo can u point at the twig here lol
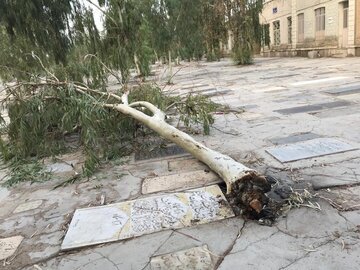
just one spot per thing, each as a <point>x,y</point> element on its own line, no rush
<point>105,66</point>
<point>42,65</point>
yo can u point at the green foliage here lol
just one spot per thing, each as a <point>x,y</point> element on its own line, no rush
<point>197,109</point>
<point>43,116</point>
<point>245,26</point>
<point>242,53</point>
<point>26,171</point>
<point>42,23</point>
<point>214,27</point>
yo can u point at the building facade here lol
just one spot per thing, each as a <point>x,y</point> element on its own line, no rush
<point>296,27</point>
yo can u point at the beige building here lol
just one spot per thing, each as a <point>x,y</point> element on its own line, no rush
<point>329,27</point>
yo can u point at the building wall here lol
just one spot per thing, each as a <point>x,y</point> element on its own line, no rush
<point>283,10</point>
<point>334,38</point>
<point>331,22</point>
<point>357,22</point>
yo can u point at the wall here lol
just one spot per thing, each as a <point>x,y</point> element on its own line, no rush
<point>268,17</point>
<point>331,22</point>
<point>335,41</point>
<point>357,22</point>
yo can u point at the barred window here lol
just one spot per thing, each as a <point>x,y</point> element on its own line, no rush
<point>276,27</point>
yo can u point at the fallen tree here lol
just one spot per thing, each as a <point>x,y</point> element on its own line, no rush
<point>244,186</point>
<point>54,63</point>
<point>240,180</point>
<point>243,183</point>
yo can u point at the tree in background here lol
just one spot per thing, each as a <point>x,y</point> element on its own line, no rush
<point>214,27</point>
<point>243,22</point>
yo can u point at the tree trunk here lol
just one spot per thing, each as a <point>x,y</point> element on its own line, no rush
<point>170,68</point>
<point>136,61</point>
<point>240,180</point>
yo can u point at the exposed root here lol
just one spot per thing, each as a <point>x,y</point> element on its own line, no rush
<point>248,195</point>
<point>251,198</point>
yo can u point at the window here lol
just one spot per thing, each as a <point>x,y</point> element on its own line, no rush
<point>289,22</point>
<point>265,38</point>
<point>320,23</point>
<point>345,16</point>
<point>276,27</point>
<point>300,27</point>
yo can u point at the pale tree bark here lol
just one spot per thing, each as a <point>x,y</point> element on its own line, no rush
<point>136,61</point>
<point>240,180</point>
<point>170,68</point>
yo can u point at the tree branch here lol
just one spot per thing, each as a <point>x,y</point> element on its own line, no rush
<point>42,65</point>
<point>157,113</point>
<point>105,66</point>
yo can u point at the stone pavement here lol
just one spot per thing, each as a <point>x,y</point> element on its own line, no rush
<point>286,101</point>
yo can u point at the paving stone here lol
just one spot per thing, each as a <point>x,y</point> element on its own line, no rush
<point>320,81</point>
<point>171,150</point>
<point>191,86</point>
<point>102,263</point>
<point>133,254</point>
<point>332,175</point>
<point>203,90</point>
<point>353,217</point>
<point>45,253</point>
<point>332,256</point>
<point>4,192</point>
<point>197,258</point>
<point>347,90</point>
<point>313,224</point>
<point>178,241</point>
<point>309,149</point>
<point>313,107</point>
<point>27,206</point>
<point>250,115</point>
<point>271,250</point>
<point>149,168</point>
<point>8,246</point>
<point>335,104</point>
<point>74,261</point>
<point>217,93</point>
<point>189,164</point>
<point>263,120</point>
<point>269,89</point>
<point>344,198</point>
<point>180,181</point>
<point>338,112</point>
<point>218,236</point>
<point>279,76</point>
<point>294,138</point>
<point>143,216</point>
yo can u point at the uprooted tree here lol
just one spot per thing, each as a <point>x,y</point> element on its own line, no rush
<point>52,94</point>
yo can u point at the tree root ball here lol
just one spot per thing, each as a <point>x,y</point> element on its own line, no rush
<point>248,196</point>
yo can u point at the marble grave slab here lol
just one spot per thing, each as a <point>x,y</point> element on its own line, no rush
<point>309,149</point>
<point>96,225</point>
